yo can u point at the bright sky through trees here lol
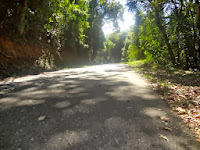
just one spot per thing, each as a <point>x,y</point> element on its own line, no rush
<point>124,25</point>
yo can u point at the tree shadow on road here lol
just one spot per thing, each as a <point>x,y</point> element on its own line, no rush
<point>85,110</point>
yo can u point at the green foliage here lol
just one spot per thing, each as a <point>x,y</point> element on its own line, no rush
<point>151,45</point>
<point>58,22</point>
<point>112,48</point>
<point>67,30</point>
<point>167,34</point>
<point>68,21</point>
<point>138,63</point>
<point>125,49</point>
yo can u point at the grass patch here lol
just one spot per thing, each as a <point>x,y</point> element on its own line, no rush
<point>139,64</point>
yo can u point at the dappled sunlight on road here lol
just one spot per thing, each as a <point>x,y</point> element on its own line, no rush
<point>96,107</point>
<point>63,104</point>
<point>154,112</point>
<point>66,139</point>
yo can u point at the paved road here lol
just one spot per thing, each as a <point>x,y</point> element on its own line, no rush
<point>105,107</point>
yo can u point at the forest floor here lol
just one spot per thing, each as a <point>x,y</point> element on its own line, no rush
<point>108,107</point>
<point>180,88</point>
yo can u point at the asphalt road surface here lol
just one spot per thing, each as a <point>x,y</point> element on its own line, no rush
<point>105,107</point>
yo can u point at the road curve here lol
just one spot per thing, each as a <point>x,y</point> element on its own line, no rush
<point>104,107</point>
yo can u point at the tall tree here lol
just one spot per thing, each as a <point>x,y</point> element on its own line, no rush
<point>22,18</point>
<point>164,34</point>
<point>132,4</point>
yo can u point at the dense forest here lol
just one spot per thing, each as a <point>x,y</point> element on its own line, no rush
<point>53,33</point>
<point>166,32</point>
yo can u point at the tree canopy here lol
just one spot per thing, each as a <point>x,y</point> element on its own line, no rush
<point>166,32</point>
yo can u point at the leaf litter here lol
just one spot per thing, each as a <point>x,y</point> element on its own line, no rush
<point>182,92</point>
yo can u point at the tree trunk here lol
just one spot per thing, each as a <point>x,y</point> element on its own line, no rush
<point>195,59</point>
<point>94,52</point>
<point>198,13</point>
<point>186,60</point>
<point>163,32</point>
<point>22,18</point>
<point>137,42</point>
<point>197,3</point>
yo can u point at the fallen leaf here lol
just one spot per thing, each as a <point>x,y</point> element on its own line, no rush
<point>189,117</point>
<point>41,118</point>
<point>181,111</point>
<point>165,119</point>
<point>169,129</point>
<point>164,137</point>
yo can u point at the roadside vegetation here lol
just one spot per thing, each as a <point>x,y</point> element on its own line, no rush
<point>40,35</point>
<point>45,35</point>
<point>164,45</point>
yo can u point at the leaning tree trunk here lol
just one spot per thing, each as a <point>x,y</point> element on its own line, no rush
<point>163,32</point>
<point>22,18</point>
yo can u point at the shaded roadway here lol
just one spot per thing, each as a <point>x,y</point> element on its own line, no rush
<point>105,107</point>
